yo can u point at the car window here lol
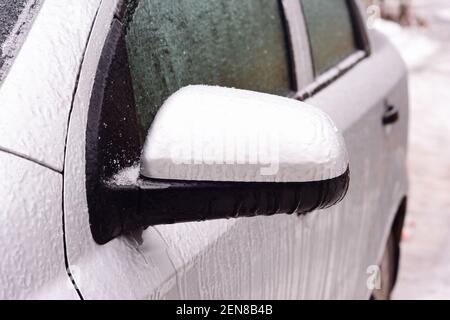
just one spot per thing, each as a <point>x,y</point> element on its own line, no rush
<point>15,18</point>
<point>230,43</point>
<point>330,29</point>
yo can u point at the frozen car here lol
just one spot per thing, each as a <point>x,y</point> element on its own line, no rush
<point>220,149</point>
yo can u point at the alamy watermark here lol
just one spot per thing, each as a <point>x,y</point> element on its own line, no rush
<point>373,15</point>
<point>373,281</point>
<point>251,147</point>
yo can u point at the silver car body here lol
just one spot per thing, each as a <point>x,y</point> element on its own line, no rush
<point>45,233</point>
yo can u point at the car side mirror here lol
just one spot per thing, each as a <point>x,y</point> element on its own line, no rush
<point>215,152</point>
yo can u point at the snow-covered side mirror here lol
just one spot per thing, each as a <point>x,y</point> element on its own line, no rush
<point>206,133</point>
<point>215,152</point>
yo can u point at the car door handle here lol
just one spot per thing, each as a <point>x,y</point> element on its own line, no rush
<point>390,114</point>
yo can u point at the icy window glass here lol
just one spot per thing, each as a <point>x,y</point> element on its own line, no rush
<point>232,43</point>
<point>330,32</point>
<point>15,19</point>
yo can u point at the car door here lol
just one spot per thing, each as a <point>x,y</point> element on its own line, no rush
<point>358,79</point>
<point>232,43</point>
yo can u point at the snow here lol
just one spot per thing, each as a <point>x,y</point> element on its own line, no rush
<point>224,134</point>
<point>443,15</point>
<point>424,269</point>
<point>416,48</point>
<point>126,176</point>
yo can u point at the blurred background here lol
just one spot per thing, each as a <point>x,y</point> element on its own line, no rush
<point>420,29</point>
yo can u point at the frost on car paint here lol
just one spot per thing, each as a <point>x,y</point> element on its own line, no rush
<point>35,99</point>
<point>36,96</point>
<point>31,237</point>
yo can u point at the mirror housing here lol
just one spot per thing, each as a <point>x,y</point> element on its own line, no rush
<point>206,133</point>
<point>214,152</point>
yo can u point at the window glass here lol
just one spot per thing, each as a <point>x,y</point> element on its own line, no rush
<point>330,30</point>
<point>232,43</point>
